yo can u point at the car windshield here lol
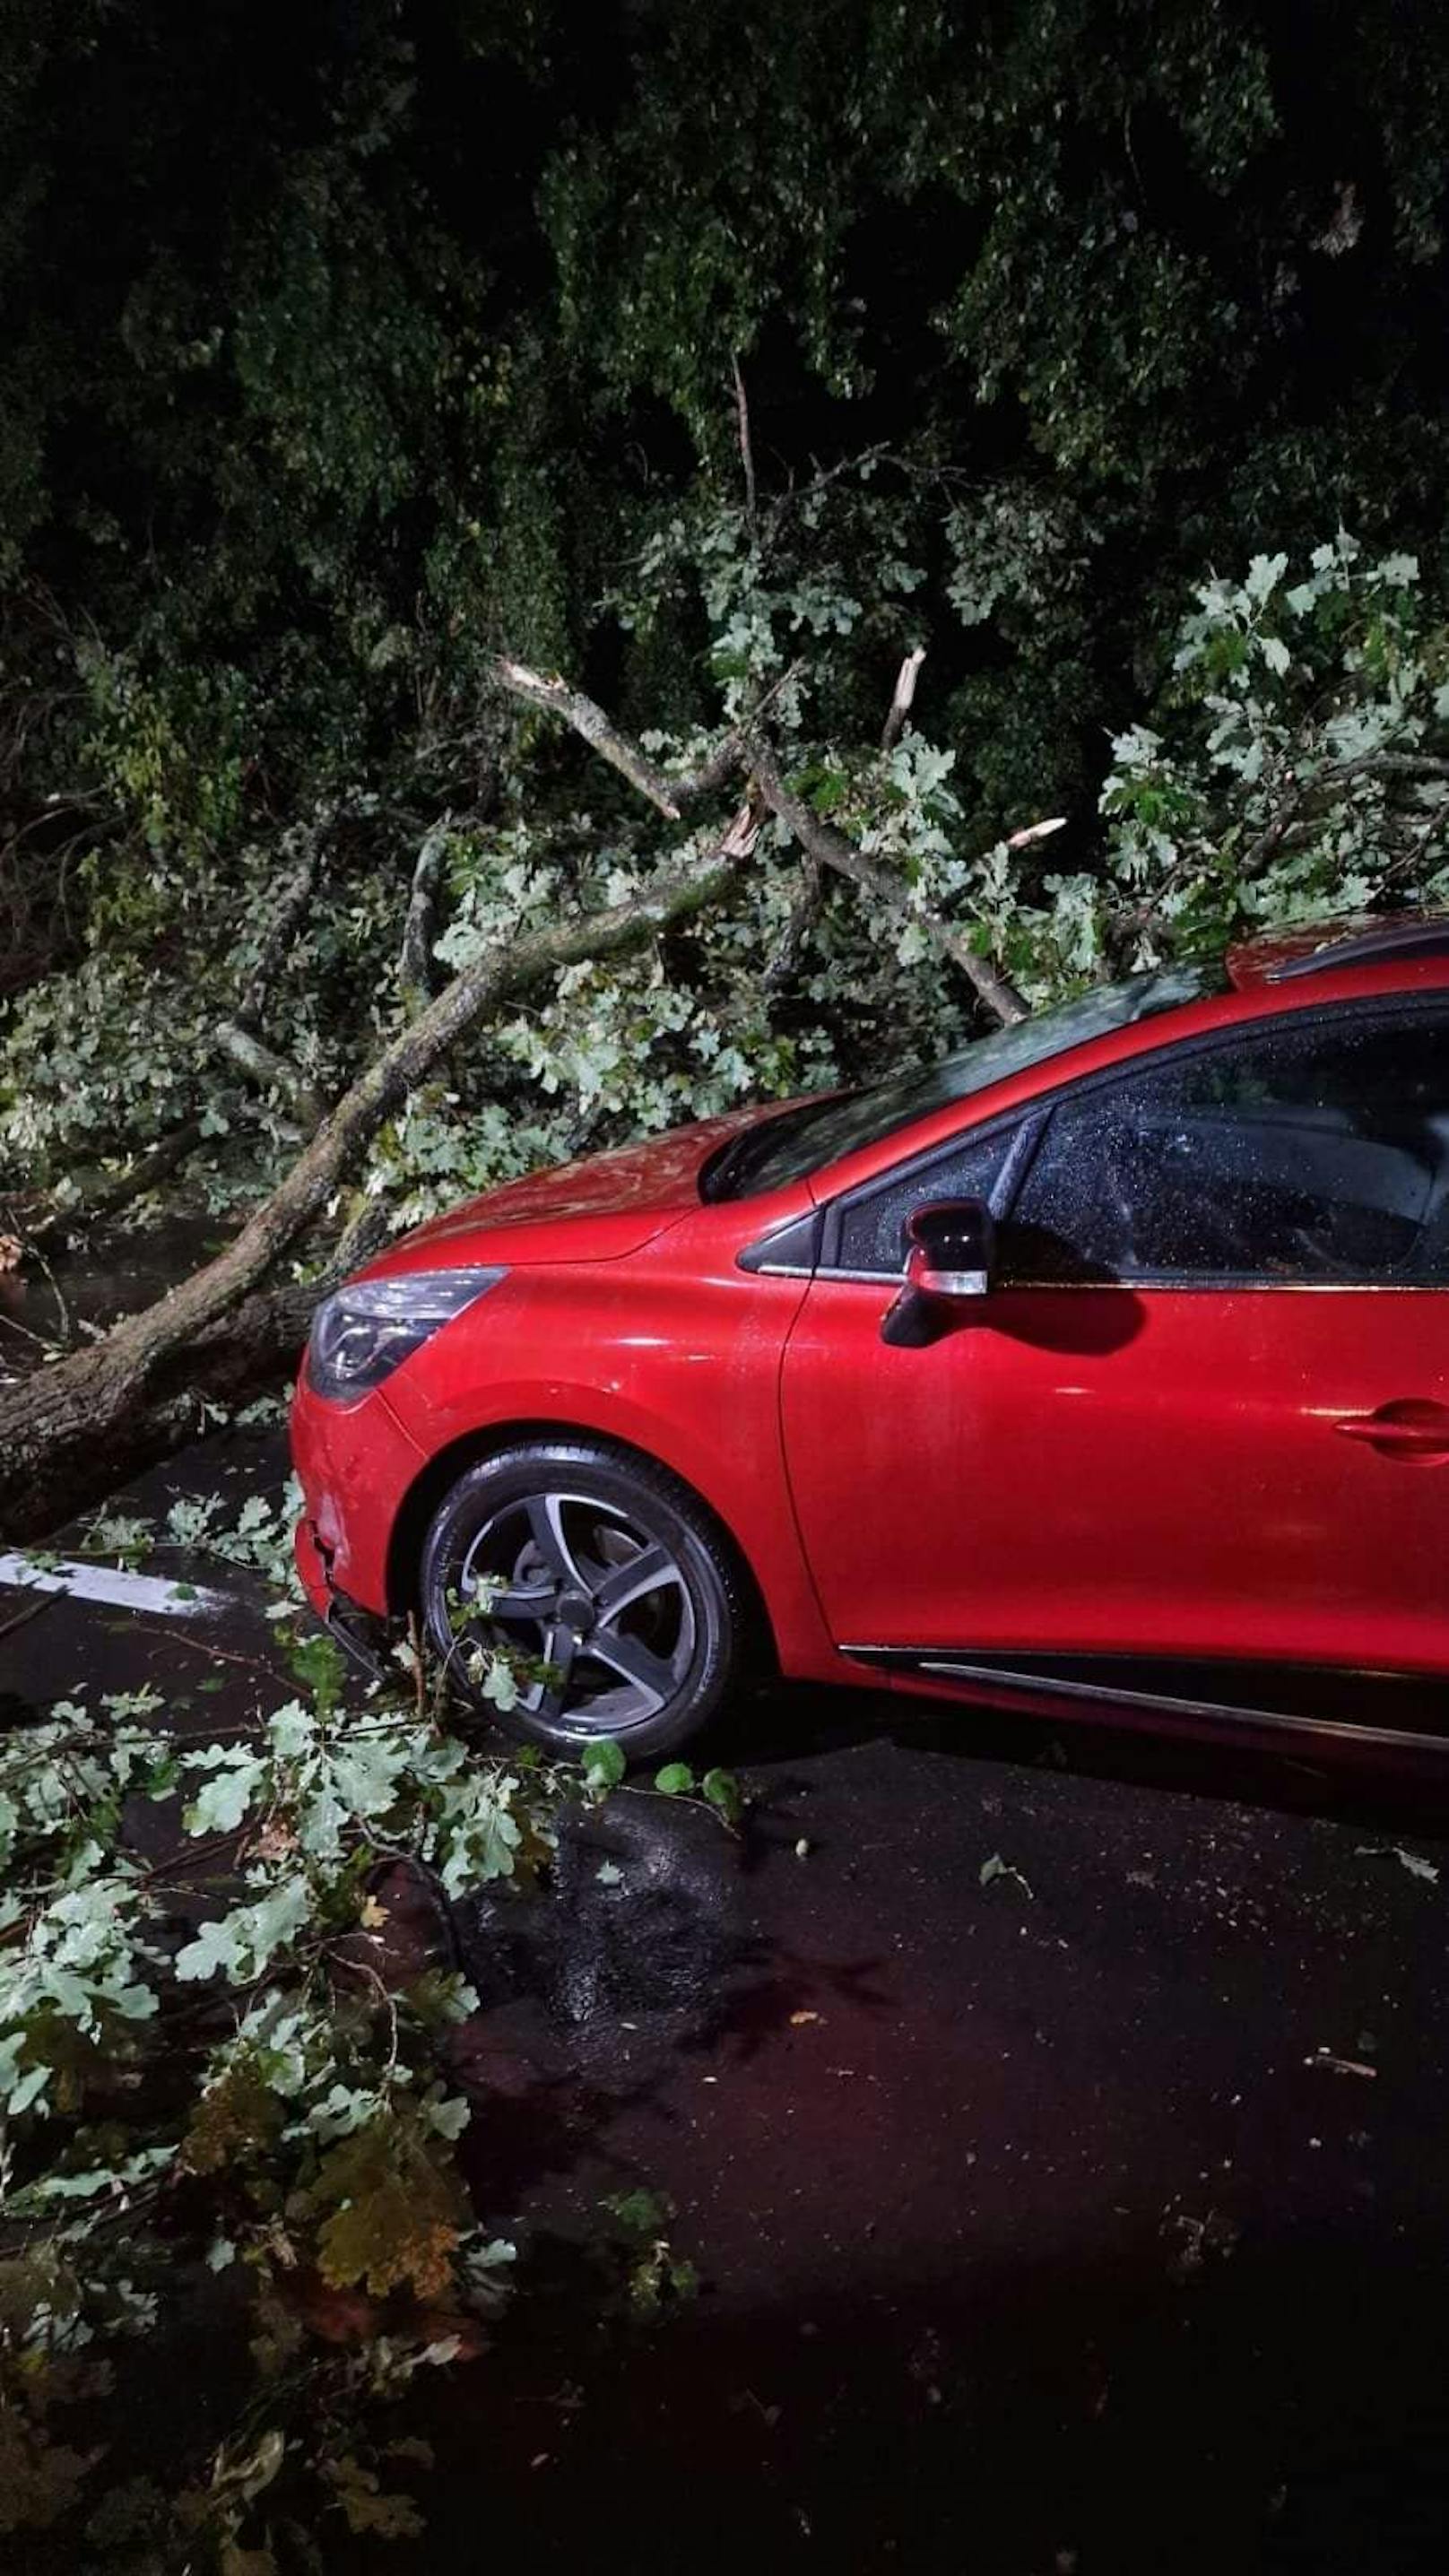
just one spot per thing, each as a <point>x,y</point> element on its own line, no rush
<point>804,1139</point>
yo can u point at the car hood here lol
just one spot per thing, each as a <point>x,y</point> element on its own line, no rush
<point>597,1209</point>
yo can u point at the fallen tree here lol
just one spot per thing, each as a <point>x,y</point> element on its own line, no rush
<point>1310,750</point>
<point>65,1429</point>
<point>68,1430</point>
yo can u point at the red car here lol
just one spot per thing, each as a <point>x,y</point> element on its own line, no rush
<point>1106,1361</point>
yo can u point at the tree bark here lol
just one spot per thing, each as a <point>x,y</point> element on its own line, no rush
<point>269,1071</point>
<point>62,1429</point>
<point>240,1356</point>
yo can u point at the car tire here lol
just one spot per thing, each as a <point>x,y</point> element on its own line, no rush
<point>615,1601</point>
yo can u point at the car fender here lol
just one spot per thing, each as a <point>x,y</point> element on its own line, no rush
<point>698,1393</point>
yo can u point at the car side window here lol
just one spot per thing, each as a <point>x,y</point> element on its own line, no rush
<point>1309,1153</point>
<point>872,1233</point>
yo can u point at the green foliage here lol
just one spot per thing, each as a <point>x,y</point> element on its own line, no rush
<point>603,1765</point>
<point>224,2059</point>
<point>1294,763</point>
<point>403,351</point>
<point>719,1789</point>
<point>652,2276</point>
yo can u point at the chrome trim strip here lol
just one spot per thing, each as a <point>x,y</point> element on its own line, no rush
<point>1221,1284</point>
<point>1233,1283</point>
<point>1036,1686</point>
<point>952,1283</point>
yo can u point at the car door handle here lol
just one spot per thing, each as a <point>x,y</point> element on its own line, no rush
<point>1412,1428</point>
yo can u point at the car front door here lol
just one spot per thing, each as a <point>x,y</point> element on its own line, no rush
<point>1203,1412</point>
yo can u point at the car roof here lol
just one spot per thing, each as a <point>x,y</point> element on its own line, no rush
<point>1316,947</point>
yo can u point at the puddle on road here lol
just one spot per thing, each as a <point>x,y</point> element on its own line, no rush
<point>641,1922</point>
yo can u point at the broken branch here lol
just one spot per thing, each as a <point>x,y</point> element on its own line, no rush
<point>669,796</point>
<point>902,698</point>
<point>271,1072</point>
<point>830,849</point>
<point>415,966</point>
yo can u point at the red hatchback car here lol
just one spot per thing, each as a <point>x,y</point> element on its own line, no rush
<point>1105,1361</point>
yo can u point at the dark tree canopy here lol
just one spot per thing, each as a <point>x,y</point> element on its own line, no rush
<point>351,344</point>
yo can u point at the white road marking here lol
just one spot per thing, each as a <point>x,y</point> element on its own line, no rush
<point>108,1583</point>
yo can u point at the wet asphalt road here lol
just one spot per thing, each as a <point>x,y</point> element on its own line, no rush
<point>1084,2213</point>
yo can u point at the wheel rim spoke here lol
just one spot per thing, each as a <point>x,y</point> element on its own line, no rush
<point>527,1601</point>
<point>560,1648</point>
<point>650,1571</point>
<point>569,1571</point>
<point>649,1675</point>
<point>546,1526</point>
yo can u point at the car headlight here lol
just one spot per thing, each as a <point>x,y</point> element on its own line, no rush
<point>362,1332</point>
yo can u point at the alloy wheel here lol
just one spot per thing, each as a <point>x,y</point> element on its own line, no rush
<point>593,1605</point>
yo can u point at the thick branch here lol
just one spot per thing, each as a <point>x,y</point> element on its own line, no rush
<point>271,1072</point>
<point>821,842</point>
<point>1390,764</point>
<point>671,796</point>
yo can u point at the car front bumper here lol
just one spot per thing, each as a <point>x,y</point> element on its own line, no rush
<point>356,1466</point>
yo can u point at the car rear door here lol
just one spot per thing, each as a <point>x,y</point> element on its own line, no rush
<point>1204,1415</point>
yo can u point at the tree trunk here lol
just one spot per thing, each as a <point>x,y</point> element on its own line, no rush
<point>240,1356</point>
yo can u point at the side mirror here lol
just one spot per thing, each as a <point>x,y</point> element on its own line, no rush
<point>952,1249</point>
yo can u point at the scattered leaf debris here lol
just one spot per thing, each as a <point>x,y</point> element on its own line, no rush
<point>1340,2065</point>
<point>1413,1862</point>
<point>996,1867</point>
